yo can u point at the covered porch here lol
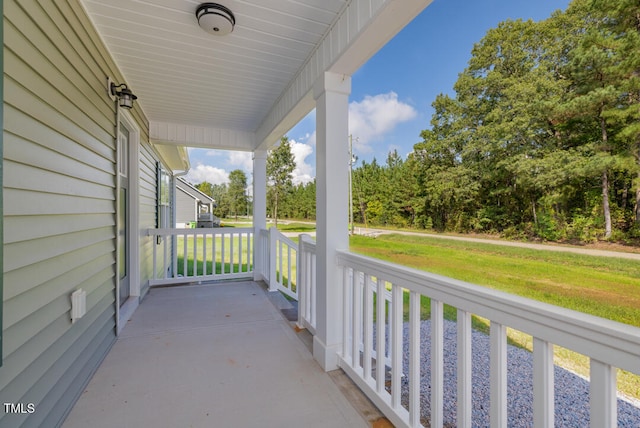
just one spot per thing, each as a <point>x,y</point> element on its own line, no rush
<point>219,354</point>
<point>211,342</point>
<point>195,348</point>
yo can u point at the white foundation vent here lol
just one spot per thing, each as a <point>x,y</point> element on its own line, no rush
<point>78,304</point>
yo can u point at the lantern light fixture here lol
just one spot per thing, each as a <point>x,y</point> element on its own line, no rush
<point>124,95</point>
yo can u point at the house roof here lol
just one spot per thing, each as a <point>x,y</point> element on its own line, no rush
<point>245,90</point>
<point>186,187</point>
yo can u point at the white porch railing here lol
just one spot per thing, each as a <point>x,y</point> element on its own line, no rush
<point>307,283</point>
<point>283,255</point>
<point>608,344</point>
<point>203,254</point>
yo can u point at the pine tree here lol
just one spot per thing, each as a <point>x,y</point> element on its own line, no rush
<point>280,166</point>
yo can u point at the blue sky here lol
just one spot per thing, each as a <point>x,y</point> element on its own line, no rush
<point>391,94</point>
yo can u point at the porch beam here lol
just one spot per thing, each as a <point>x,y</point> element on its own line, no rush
<point>331,93</point>
<point>363,27</point>
<point>197,136</point>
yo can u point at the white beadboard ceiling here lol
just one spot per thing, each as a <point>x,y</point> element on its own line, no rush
<point>183,74</point>
<point>190,82</point>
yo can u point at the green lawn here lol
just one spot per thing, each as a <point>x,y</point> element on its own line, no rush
<point>601,286</point>
<point>227,267</point>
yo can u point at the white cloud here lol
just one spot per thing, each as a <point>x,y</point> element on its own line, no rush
<point>375,116</point>
<point>311,138</point>
<point>242,160</point>
<point>207,173</point>
<point>303,173</point>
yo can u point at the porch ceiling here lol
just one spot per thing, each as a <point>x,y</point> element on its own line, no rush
<point>241,90</point>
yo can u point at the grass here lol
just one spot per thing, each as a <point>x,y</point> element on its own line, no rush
<point>199,260</point>
<point>604,287</point>
<point>296,227</point>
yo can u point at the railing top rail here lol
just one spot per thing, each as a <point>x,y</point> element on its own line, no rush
<point>306,241</point>
<point>199,231</point>
<point>607,341</point>
<point>283,237</point>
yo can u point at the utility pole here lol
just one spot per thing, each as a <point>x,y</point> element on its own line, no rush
<point>352,160</point>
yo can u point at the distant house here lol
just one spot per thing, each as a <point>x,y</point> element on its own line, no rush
<point>191,202</point>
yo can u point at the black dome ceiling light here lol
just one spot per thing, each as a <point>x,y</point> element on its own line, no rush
<point>215,19</point>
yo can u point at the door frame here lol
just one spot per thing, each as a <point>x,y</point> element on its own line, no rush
<point>124,312</point>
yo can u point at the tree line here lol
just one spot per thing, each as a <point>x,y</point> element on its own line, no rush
<point>541,138</point>
<point>284,199</point>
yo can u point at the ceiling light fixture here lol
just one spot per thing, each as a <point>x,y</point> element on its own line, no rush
<point>215,19</point>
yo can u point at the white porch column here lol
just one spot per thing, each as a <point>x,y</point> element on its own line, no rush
<point>259,211</point>
<point>331,92</point>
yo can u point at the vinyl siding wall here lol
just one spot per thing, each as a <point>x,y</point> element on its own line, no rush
<point>185,207</point>
<point>148,216</point>
<point>59,206</point>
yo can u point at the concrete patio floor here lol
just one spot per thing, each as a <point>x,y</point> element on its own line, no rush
<point>218,355</point>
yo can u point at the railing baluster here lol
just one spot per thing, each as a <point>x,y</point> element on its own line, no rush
<point>223,269</point>
<point>195,252</point>
<point>185,257</point>
<point>463,413</point>
<point>346,308</point>
<point>204,254</point>
<point>380,336</point>
<point>174,257</point>
<point>248,258</point>
<point>313,295</point>
<point>357,319</point>
<point>289,270</point>
<point>396,345</point>
<point>164,256</point>
<point>305,287</point>
<point>437,362</point>
<point>414,359</point>
<point>498,374</point>
<point>240,268</point>
<point>602,395</point>
<point>543,393</point>
<point>232,238</point>
<point>214,256</point>
<point>280,262</point>
<point>368,327</point>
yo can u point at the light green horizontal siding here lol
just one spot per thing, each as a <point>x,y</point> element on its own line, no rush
<point>59,178</point>
<point>148,214</point>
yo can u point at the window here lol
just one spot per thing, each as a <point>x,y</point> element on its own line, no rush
<point>163,214</point>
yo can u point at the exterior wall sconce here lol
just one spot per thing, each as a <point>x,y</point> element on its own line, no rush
<point>124,95</point>
<point>215,19</point>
